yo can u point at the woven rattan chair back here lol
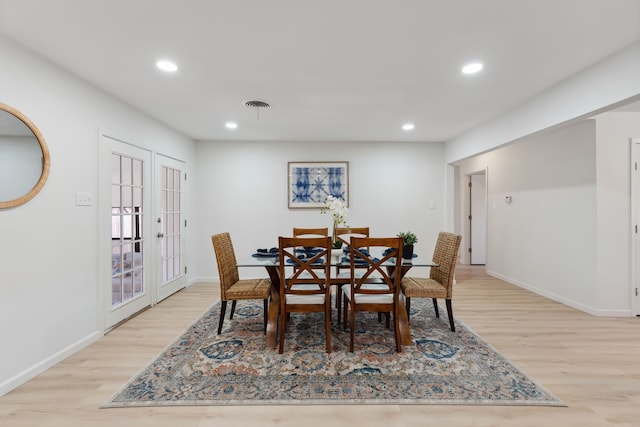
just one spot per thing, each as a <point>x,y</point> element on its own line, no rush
<point>445,255</point>
<point>227,263</point>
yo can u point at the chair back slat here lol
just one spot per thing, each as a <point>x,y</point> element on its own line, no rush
<point>310,232</point>
<point>344,233</point>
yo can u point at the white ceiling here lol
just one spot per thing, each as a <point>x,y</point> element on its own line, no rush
<point>332,70</point>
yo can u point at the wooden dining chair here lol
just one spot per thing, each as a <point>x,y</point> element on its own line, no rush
<point>306,287</point>
<point>375,290</point>
<point>439,284</point>
<point>343,272</point>
<point>232,288</point>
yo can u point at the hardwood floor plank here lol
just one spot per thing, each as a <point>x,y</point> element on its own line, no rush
<point>590,363</point>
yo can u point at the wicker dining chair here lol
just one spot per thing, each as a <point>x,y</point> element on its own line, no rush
<point>439,284</point>
<point>376,290</point>
<point>306,288</point>
<point>232,288</point>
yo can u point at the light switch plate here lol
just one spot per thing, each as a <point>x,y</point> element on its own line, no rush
<point>84,199</point>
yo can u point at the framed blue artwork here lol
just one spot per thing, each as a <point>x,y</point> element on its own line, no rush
<point>309,183</point>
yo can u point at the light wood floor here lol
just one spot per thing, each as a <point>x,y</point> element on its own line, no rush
<point>592,364</point>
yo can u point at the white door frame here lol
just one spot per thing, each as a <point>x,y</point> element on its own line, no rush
<point>478,221</point>
<point>466,254</point>
<point>635,225</point>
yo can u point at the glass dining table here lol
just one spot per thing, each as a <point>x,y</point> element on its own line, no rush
<point>270,264</point>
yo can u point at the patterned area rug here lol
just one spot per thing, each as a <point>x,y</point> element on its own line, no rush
<point>236,367</point>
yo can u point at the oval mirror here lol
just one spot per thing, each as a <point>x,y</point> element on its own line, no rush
<point>24,158</point>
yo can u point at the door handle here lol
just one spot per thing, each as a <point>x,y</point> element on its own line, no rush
<point>160,235</point>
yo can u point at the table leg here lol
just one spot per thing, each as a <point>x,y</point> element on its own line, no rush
<point>403,322</point>
<point>274,307</point>
<point>403,317</point>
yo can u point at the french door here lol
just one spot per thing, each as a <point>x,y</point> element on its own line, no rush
<point>126,195</point>
<point>142,223</point>
<point>170,224</point>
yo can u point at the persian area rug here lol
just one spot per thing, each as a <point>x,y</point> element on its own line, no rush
<point>237,368</point>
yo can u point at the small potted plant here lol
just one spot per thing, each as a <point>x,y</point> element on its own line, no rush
<point>409,239</point>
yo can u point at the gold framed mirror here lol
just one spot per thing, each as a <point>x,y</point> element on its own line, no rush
<point>24,158</point>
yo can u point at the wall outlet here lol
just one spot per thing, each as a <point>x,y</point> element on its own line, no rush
<point>84,199</point>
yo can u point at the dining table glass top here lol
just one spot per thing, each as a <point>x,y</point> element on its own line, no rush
<point>340,261</point>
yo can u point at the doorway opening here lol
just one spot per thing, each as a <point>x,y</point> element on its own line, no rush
<point>477,217</point>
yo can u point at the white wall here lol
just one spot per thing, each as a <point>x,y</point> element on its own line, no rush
<point>545,239</point>
<point>49,253</point>
<point>243,189</point>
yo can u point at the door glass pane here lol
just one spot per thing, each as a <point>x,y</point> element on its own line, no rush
<point>115,168</point>
<point>125,175</point>
<point>137,173</point>
<point>137,197</point>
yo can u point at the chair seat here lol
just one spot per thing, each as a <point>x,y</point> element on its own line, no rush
<point>369,298</point>
<point>250,289</point>
<point>419,287</point>
<point>305,299</point>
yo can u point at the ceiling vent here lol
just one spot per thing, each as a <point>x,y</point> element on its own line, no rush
<point>257,105</point>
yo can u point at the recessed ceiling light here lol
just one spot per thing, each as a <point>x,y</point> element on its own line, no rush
<point>168,66</point>
<point>472,68</point>
<point>231,125</point>
<point>408,126</point>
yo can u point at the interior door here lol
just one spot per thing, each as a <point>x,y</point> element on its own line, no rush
<point>478,218</point>
<point>635,225</point>
<point>170,225</point>
<point>125,182</point>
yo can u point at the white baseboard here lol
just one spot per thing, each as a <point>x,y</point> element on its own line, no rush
<point>202,280</point>
<point>29,373</point>
<point>558,298</point>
